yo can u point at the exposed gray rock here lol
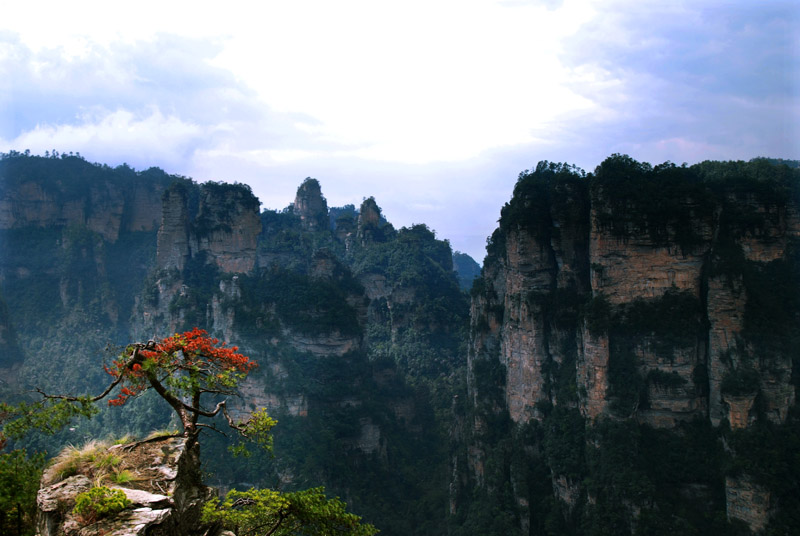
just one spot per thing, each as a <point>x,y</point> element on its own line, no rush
<point>166,502</point>
<point>55,502</point>
<point>128,523</point>
<point>149,500</point>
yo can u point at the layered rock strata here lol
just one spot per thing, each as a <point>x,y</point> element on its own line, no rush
<point>561,253</point>
<point>224,230</point>
<point>663,296</point>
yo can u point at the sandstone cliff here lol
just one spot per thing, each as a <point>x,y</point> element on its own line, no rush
<point>565,245</point>
<point>77,240</point>
<point>311,207</point>
<point>221,227</point>
<point>662,296</point>
<point>51,193</point>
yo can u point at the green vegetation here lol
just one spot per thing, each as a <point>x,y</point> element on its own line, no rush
<point>267,511</point>
<point>741,381</point>
<point>284,242</point>
<point>69,175</point>
<point>551,190</point>
<point>540,193</point>
<point>421,326</point>
<point>565,443</point>
<point>99,502</point>
<point>308,305</point>
<point>772,311</point>
<point>677,205</point>
<point>663,325</point>
<point>665,380</point>
<point>19,482</point>
<point>667,203</point>
<point>466,268</point>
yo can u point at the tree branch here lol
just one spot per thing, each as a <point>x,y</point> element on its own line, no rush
<point>281,516</point>
<point>204,413</point>
<point>135,359</point>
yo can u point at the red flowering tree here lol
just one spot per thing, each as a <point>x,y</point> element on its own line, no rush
<point>183,369</point>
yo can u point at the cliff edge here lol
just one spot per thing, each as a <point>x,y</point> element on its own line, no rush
<point>161,478</point>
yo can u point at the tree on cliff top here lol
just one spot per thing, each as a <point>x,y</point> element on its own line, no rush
<point>181,369</point>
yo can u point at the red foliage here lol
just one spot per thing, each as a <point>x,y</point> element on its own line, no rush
<point>193,352</point>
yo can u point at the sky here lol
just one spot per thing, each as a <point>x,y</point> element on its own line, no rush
<point>432,107</point>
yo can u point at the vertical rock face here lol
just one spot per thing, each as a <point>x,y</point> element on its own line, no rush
<point>143,213</point>
<point>227,226</point>
<point>223,228</point>
<point>653,296</point>
<point>562,240</point>
<point>173,233</point>
<point>523,316</point>
<point>105,206</point>
<point>747,501</point>
<point>726,299</point>
<point>530,269</point>
<point>592,374</point>
<point>311,206</point>
<point>629,264</point>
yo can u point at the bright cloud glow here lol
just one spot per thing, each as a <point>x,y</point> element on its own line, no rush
<point>165,138</point>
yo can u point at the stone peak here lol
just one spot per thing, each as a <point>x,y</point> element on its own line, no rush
<point>311,206</point>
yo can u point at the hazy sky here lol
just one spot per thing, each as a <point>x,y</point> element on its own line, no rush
<point>432,107</point>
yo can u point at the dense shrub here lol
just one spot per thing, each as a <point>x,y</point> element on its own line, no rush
<point>99,502</point>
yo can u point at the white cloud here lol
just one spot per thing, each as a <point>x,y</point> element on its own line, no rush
<point>117,135</point>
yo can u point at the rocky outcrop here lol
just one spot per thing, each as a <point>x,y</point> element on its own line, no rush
<point>227,226</point>
<point>739,410</point>
<point>222,230</point>
<point>522,315</point>
<point>166,494</point>
<point>747,501</point>
<point>369,223</point>
<point>311,206</point>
